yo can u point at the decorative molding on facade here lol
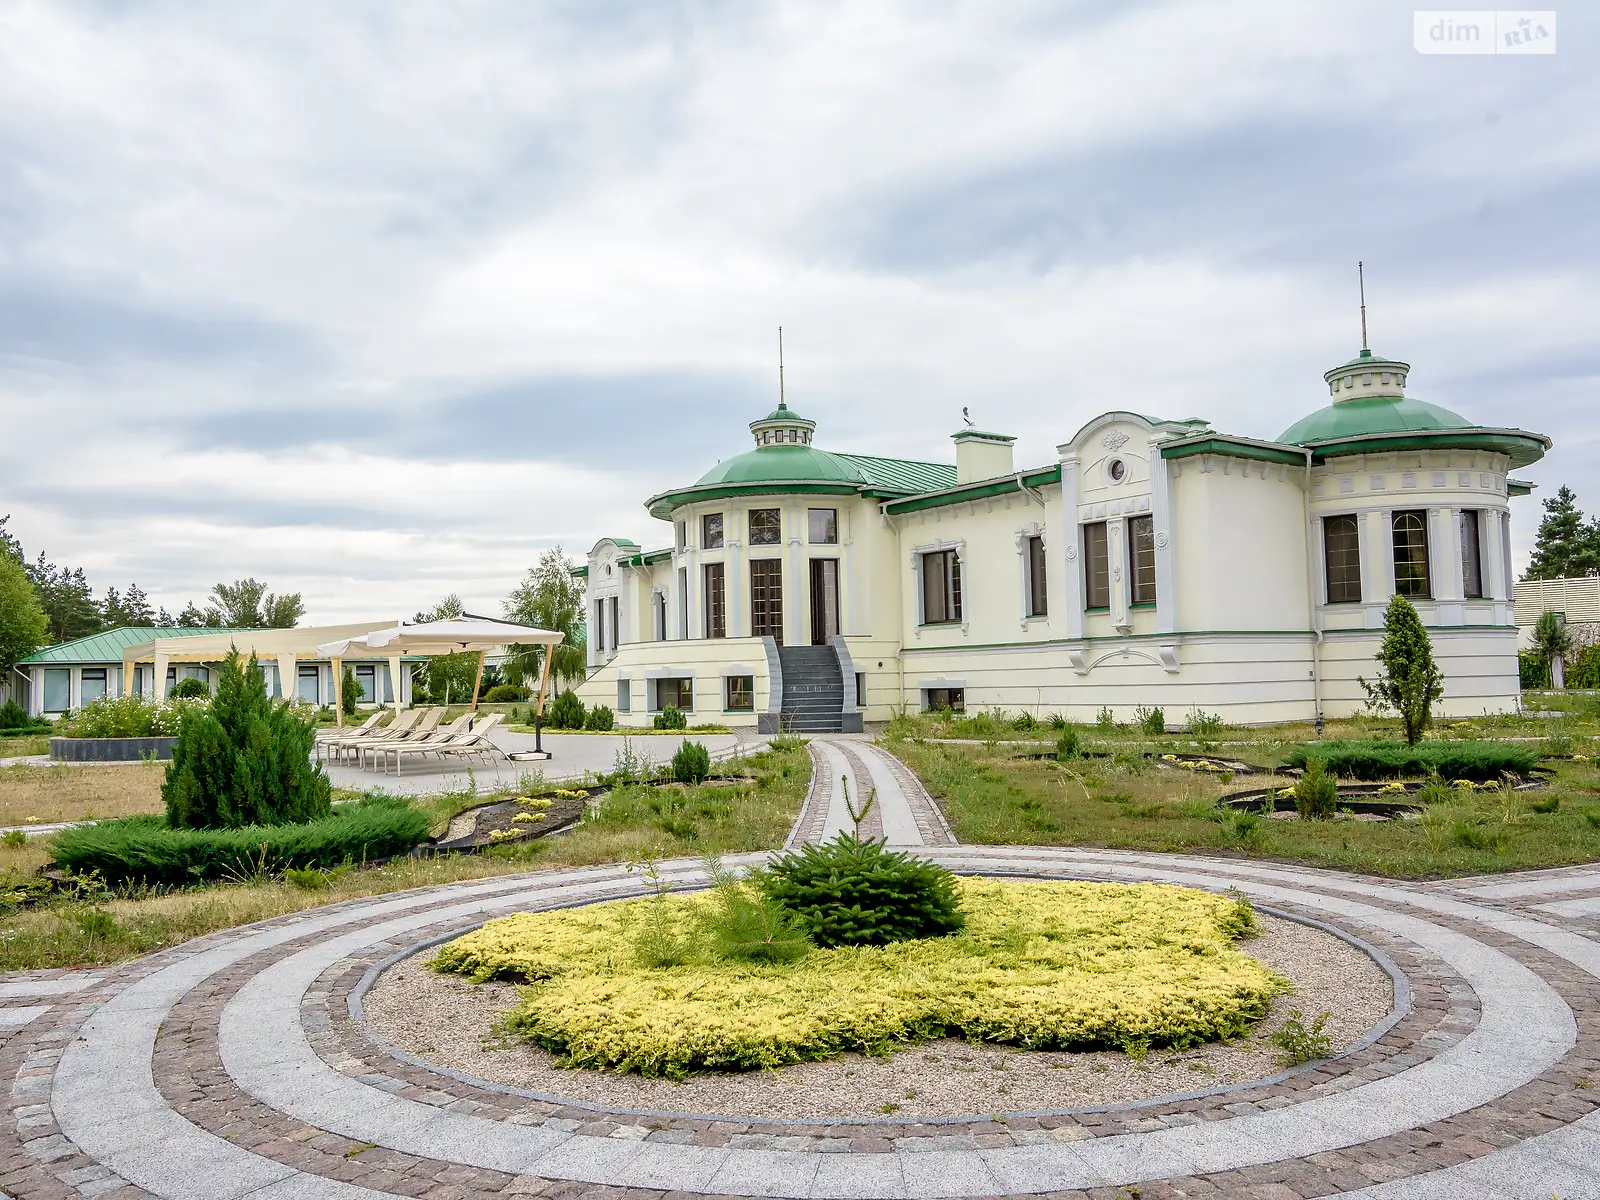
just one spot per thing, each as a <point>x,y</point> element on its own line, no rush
<point>1114,440</point>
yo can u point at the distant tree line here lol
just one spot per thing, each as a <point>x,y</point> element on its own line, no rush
<point>42,604</point>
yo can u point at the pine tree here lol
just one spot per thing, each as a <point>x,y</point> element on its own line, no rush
<point>1567,546</point>
<point>243,760</point>
<point>1408,680</point>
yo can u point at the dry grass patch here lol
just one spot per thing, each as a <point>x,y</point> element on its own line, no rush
<point>750,814</point>
<point>43,795</point>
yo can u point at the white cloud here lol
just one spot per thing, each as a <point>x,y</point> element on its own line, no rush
<point>262,262</point>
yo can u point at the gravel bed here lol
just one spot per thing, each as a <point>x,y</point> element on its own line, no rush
<point>450,1022</point>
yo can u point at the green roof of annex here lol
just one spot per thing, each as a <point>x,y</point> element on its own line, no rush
<point>107,647</point>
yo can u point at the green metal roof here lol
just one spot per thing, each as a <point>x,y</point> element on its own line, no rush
<point>902,474</point>
<point>809,470</point>
<point>978,489</point>
<point>1218,443</point>
<point>107,647</point>
<point>1374,424</point>
<point>1368,359</point>
<point>1372,414</point>
<point>783,413</point>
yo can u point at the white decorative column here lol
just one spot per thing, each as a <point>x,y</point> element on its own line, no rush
<point>1166,556</point>
<point>738,616</point>
<point>795,592</point>
<point>1379,566</point>
<point>1505,554</point>
<point>1117,554</point>
<point>849,586</point>
<point>1071,551</point>
<point>1444,553</point>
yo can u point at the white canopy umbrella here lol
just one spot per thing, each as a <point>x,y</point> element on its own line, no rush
<point>453,635</point>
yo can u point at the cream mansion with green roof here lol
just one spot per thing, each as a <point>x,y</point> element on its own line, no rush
<point>1154,563</point>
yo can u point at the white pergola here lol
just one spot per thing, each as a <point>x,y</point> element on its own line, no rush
<point>286,647</point>
<point>453,635</point>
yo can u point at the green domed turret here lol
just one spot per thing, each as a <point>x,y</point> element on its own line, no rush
<point>1371,413</point>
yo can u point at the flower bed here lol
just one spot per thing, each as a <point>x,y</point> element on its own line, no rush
<point>1039,965</point>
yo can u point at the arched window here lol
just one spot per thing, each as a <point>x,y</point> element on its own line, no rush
<point>1411,555</point>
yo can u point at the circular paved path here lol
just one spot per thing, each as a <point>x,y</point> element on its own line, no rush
<point>231,1067</point>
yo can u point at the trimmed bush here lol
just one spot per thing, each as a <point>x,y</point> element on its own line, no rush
<point>243,760</point>
<point>852,893</point>
<point>190,689</point>
<point>349,692</point>
<point>600,719</point>
<point>1532,671</point>
<point>692,763</point>
<point>14,716</point>
<point>1316,793</point>
<point>566,712</point>
<point>1584,673</point>
<point>1478,761</point>
<point>505,693</point>
<point>145,850</point>
<point>671,718</point>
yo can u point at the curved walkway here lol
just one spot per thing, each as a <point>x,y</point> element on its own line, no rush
<point>230,1067</point>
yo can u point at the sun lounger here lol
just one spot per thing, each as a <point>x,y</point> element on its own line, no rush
<point>468,744</point>
<point>432,737</point>
<point>426,721</point>
<point>339,736</point>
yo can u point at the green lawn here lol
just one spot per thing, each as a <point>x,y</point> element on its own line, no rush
<point>752,811</point>
<point>992,795</point>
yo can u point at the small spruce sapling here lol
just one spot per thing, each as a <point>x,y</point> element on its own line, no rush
<point>1408,680</point>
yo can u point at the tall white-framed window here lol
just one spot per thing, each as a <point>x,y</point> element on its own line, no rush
<point>941,587</point>
<point>1471,525</point>
<point>658,615</point>
<point>1341,558</point>
<point>1032,574</point>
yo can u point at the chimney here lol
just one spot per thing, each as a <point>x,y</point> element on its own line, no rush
<point>982,455</point>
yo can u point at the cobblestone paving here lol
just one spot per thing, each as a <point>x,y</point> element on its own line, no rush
<point>234,1066</point>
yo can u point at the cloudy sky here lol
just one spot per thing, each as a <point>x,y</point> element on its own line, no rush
<point>376,301</point>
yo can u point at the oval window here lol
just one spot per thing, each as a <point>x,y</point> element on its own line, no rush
<point>1117,469</point>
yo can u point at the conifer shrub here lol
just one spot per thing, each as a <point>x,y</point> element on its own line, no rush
<point>1316,793</point>
<point>243,760</point>
<point>692,763</point>
<point>349,692</point>
<point>566,712</point>
<point>145,849</point>
<point>1408,681</point>
<point>853,893</point>
<point>1068,744</point>
<point>600,719</point>
<point>671,717</point>
<point>1480,762</point>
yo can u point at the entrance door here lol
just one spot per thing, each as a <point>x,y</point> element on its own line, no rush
<point>766,598</point>
<point>824,600</point>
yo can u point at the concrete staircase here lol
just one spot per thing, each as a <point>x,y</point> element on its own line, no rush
<point>813,690</point>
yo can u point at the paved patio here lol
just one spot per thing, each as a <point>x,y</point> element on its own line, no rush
<point>572,755</point>
<point>230,1066</point>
